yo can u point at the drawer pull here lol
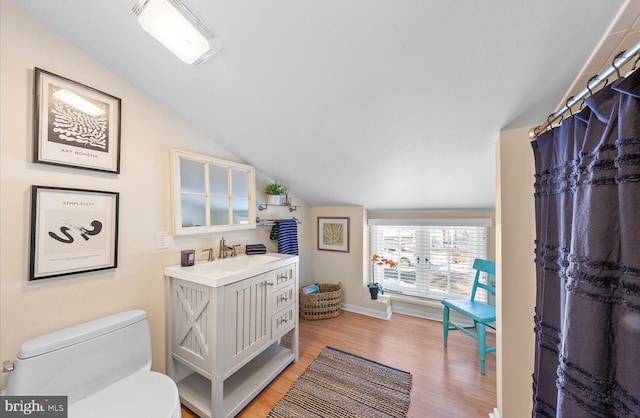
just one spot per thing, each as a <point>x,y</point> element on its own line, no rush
<point>284,298</point>
<point>284,320</point>
<point>269,283</point>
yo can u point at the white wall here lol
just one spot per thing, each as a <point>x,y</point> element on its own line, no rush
<point>516,283</point>
<point>28,309</point>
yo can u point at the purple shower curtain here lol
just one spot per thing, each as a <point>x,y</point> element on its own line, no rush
<point>587,319</point>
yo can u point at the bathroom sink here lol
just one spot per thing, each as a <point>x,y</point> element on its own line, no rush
<point>242,262</point>
<point>229,270</point>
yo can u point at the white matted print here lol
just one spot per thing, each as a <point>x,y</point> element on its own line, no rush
<point>75,125</point>
<point>72,231</point>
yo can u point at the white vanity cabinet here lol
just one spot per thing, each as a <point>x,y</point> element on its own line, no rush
<point>232,327</point>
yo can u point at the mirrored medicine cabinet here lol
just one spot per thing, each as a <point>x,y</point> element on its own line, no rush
<point>211,194</point>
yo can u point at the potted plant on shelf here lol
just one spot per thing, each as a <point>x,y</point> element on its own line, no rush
<point>375,287</point>
<point>274,191</point>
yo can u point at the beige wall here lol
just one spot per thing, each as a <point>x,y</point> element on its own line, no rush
<point>28,309</point>
<point>349,268</point>
<point>352,268</point>
<point>515,220</point>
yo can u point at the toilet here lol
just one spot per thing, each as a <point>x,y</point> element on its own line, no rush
<point>102,366</point>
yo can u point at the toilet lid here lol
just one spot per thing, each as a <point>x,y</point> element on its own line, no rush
<point>143,394</point>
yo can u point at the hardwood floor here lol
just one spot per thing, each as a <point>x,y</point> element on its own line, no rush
<point>446,381</point>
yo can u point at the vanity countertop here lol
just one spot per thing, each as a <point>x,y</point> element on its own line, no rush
<point>230,270</point>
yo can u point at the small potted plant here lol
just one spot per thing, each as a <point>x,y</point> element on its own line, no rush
<point>375,287</point>
<point>274,191</point>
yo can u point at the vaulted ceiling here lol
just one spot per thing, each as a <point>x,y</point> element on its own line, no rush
<point>389,104</point>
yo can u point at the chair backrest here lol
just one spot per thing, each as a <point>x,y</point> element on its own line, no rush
<point>485,266</point>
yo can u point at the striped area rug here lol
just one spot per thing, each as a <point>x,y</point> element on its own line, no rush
<point>338,384</point>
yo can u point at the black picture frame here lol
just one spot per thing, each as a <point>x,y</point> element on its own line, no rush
<point>72,231</point>
<point>75,125</point>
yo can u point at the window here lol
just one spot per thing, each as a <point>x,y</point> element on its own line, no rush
<point>434,256</point>
<point>211,195</point>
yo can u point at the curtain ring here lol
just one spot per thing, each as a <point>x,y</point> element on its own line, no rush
<point>613,63</point>
<point>550,119</point>
<point>569,107</point>
<point>589,82</point>
<point>635,63</point>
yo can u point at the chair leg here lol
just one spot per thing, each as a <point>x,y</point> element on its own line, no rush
<point>445,323</point>
<point>482,336</point>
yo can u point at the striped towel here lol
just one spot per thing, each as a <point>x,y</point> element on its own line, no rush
<point>286,232</point>
<point>255,249</point>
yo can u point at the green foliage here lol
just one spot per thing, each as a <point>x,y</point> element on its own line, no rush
<point>274,188</point>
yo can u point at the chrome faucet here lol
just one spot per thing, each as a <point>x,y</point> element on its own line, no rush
<point>225,249</point>
<point>210,255</point>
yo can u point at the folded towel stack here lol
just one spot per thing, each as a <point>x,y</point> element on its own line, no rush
<point>256,249</point>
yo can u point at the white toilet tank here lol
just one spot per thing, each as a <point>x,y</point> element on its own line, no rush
<point>92,360</point>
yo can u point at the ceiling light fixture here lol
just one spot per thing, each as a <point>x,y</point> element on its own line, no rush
<point>177,28</point>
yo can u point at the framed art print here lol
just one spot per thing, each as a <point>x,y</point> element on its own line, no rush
<point>75,125</point>
<point>333,234</point>
<point>72,231</point>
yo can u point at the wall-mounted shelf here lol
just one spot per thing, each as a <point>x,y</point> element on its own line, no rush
<point>264,206</point>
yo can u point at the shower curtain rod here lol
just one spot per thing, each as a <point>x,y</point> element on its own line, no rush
<point>615,66</point>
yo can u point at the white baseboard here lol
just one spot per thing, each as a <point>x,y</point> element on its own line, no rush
<point>431,315</point>
<point>494,414</point>
<point>420,313</point>
<point>369,312</point>
<point>431,311</point>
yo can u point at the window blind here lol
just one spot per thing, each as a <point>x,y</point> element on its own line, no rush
<point>434,257</point>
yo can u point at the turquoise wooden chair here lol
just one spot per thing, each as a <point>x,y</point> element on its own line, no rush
<point>483,315</point>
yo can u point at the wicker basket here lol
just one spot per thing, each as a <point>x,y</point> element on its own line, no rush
<point>323,305</point>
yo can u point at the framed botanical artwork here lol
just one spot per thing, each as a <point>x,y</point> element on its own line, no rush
<point>72,231</point>
<point>75,125</point>
<point>333,234</point>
